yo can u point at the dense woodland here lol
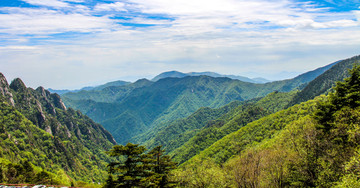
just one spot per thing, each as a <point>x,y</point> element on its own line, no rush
<point>136,112</point>
<point>313,144</point>
<point>306,134</point>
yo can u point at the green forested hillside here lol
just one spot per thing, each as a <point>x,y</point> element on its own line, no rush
<point>255,132</point>
<point>323,83</point>
<point>38,132</point>
<point>180,131</point>
<point>312,144</point>
<point>128,111</point>
<point>241,116</point>
<point>105,94</point>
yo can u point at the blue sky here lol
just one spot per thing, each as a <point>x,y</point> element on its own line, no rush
<point>74,43</point>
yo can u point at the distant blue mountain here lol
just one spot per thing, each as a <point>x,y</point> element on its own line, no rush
<point>177,74</point>
<point>89,88</point>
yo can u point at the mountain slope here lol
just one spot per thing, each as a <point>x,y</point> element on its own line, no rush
<point>326,81</point>
<point>107,94</point>
<point>312,144</point>
<point>254,132</point>
<point>230,122</point>
<point>337,69</point>
<point>38,127</point>
<point>145,107</point>
<point>181,130</point>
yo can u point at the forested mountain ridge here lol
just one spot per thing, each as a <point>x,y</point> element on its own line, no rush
<point>177,132</point>
<point>231,122</point>
<point>176,74</point>
<point>192,141</point>
<point>127,111</point>
<point>324,82</point>
<point>37,127</point>
<point>90,88</point>
<point>311,144</point>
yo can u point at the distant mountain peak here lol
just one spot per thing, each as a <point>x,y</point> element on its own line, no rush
<point>89,88</point>
<point>177,74</point>
<point>169,74</point>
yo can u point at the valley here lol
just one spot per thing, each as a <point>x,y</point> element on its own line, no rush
<point>213,131</point>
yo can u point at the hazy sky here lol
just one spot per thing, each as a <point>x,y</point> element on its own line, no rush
<point>74,43</point>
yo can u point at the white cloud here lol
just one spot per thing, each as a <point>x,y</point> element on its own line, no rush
<point>207,15</point>
<point>74,1</point>
<point>43,21</point>
<point>226,36</point>
<point>18,48</point>
<point>48,3</point>
<point>117,6</point>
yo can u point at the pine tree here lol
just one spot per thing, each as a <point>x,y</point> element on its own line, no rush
<point>346,94</point>
<point>131,172</point>
<point>161,165</point>
<point>138,169</point>
<point>337,121</point>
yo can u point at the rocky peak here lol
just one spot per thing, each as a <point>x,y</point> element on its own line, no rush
<point>18,85</point>
<point>3,80</point>
<point>43,92</point>
<point>3,84</point>
<point>5,90</point>
<point>57,101</point>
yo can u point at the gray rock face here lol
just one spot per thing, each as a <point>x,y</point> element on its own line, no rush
<point>57,101</point>
<point>5,90</point>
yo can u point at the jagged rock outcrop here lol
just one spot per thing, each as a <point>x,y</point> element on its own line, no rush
<point>47,111</point>
<point>5,90</point>
<point>62,136</point>
<point>57,101</point>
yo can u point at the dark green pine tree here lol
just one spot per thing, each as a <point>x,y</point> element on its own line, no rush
<point>138,169</point>
<point>131,172</point>
<point>346,94</point>
<point>337,136</point>
<point>161,166</point>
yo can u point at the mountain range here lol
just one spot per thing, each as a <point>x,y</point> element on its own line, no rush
<point>169,74</point>
<point>307,144</point>
<point>211,126</point>
<point>143,107</point>
<point>176,74</point>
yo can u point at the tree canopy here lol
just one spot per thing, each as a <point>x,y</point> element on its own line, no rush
<point>134,168</point>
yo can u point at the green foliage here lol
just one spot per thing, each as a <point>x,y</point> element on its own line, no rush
<point>324,82</point>
<point>180,131</point>
<point>242,115</point>
<point>134,109</point>
<point>133,171</point>
<point>24,172</point>
<point>346,94</point>
<point>254,132</point>
<point>62,144</point>
<point>201,173</point>
<point>161,165</point>
<point>296,147</point>
<point>137,169</point>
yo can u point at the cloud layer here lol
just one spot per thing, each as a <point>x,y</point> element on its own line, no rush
<point>71,43</point>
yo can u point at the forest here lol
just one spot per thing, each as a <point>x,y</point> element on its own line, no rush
<point>313,144</point>
<point>297,138</point>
